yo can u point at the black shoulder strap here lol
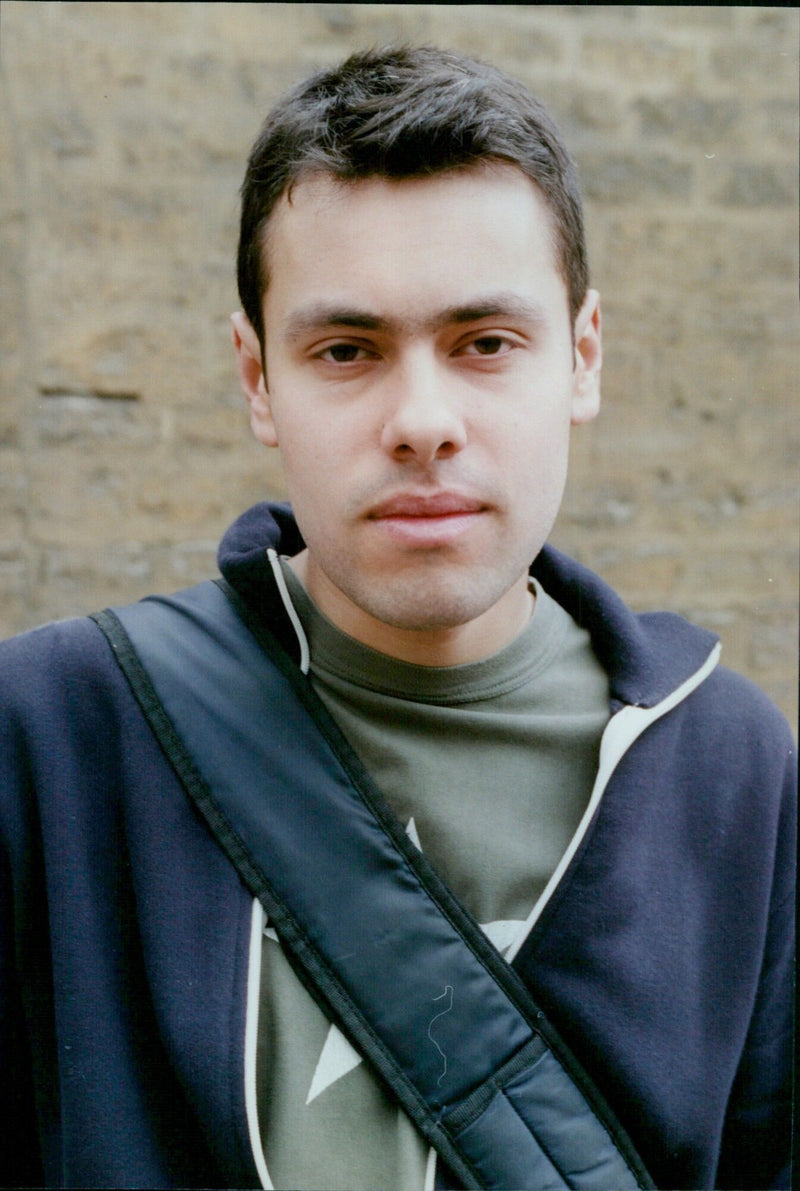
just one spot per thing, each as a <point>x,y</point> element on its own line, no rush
<point>384,946</point>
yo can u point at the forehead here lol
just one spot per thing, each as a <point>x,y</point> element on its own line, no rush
<point>411,241</point>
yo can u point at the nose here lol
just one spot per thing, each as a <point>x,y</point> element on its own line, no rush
<point>424,421</point>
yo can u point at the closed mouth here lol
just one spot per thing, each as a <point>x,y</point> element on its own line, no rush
<point>436,506</point>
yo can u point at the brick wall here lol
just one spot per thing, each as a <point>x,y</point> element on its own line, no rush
<point>124,447</point>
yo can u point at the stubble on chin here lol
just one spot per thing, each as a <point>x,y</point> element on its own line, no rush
<point>429,597</point>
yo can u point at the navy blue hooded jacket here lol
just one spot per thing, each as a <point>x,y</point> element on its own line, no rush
<point>663,953</point>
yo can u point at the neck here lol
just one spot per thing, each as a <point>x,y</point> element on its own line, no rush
<point>453,645</point>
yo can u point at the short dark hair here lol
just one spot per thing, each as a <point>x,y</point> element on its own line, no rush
<point>406,113</point>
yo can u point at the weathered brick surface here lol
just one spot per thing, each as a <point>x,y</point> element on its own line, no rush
<point>124,446</point>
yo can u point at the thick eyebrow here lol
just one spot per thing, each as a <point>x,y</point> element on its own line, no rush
<point>511,306</point>
<point>320,315</point>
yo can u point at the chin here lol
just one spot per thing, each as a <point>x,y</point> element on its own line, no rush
<point>428,605</point>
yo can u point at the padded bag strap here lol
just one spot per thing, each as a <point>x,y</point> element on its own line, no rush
<point>381,943</point>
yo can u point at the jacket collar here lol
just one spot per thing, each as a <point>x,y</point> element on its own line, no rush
<point>646,656</point>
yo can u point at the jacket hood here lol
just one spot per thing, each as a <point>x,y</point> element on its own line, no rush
<point>646,656</point>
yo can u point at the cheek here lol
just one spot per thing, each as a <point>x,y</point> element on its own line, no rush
<point>538,440</point>
<point>300,431</point>
<point>316,467</point>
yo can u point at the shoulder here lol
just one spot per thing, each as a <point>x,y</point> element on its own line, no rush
<point>732,711</point>
<point>651,657</point>
<point>726,763</point>
<point>74,644</point>
<point>52,671</point>
<point>62,702</point>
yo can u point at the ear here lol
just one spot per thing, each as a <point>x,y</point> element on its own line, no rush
<point>588,360</point>
<point>252,379</point>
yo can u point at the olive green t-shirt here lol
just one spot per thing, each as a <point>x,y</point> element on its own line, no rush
<point>489,767</point>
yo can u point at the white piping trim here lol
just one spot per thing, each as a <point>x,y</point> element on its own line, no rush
<point>251,1042</point>
<point>305,654</point>
<point>430,1171</point>
<point>620,733</point>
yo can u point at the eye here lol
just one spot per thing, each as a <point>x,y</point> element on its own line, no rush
<point>487,345</point>
<point>344,353</point>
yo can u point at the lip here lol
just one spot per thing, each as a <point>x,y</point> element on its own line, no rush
<point>434,505</point>
<point>427,520</point>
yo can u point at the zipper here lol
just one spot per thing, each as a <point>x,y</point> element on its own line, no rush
<point>257,922</point>
<point>620,733</point>
<point>622,730</point>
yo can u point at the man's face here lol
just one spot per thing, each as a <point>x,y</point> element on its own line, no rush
<point>421,379</point>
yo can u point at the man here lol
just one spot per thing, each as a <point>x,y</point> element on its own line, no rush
<point>612,807</point>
